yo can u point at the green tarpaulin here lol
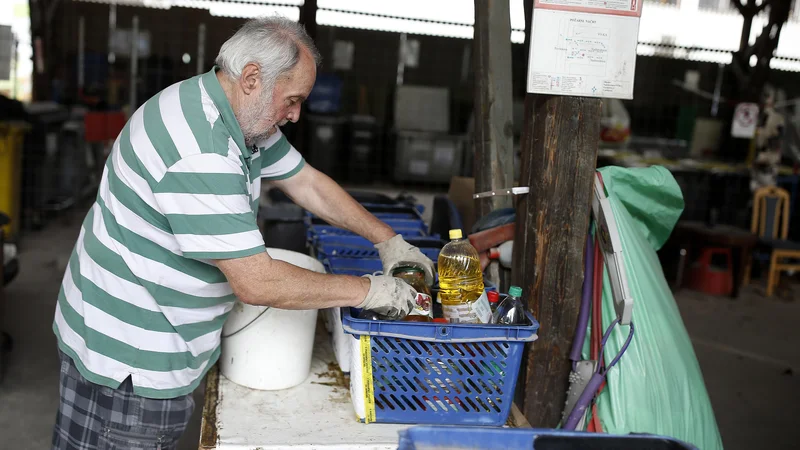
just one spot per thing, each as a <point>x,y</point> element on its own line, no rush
<point>657,386</point>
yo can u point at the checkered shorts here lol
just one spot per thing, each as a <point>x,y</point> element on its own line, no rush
<point>94,417</point>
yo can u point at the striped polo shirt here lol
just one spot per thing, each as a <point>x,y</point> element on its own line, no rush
<point>140,296</point>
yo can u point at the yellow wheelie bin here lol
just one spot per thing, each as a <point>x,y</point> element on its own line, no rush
<point>12,137</point>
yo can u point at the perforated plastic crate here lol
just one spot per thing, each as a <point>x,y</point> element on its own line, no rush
<point>457,438</point>
<point>383,212</point>
<point>358,247</point>
<point>432,373</point>
<point>352,266</point>
<point>406,229</point>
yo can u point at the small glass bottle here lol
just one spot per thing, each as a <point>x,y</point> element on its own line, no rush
<point>415,277</point>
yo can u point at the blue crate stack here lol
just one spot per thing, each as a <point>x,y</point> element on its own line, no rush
<point>345,253</point>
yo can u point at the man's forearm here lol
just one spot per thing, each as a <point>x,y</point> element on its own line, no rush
<point>319,194</point>
<point>260,280</point>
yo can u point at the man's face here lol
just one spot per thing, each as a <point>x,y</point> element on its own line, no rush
<point>260,112</point>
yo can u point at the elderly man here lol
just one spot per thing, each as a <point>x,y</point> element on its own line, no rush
<point>172,240</point>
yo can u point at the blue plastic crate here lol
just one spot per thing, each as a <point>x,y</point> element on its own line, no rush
<point>402,223</point>
<point>456,438</point>
<point>435,373</point>
<point>352,266</point>
<point>388,215</point>
<point>359,247</point>
<point>385,212</point>
<point>407,230</point>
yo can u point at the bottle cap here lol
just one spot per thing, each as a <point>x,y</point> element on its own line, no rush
<point>456,234</point>
<point>493,296</point>
<point>406,269</point>
<point>515,291</point>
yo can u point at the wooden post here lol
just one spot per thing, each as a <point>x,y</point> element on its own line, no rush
<point>493,135</point>
<point>559,156</point>
<point>308,17</point>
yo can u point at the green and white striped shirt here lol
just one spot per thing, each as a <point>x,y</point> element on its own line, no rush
<point>140,296</point>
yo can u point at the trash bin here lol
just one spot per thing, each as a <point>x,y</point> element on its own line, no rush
<point>12,138</point>
<point>325,141</point>
<point>362,140</point>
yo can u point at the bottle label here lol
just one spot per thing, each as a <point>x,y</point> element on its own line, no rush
<point>475,312</point>
<point>423,306</point>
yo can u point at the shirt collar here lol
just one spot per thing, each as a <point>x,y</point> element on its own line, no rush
<point>216,93</point>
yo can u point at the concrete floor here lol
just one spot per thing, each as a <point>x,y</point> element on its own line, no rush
<point>747,349</point>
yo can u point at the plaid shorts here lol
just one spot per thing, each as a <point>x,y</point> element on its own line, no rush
<point>94,417</point>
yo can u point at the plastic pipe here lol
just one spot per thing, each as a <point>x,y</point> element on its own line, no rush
<point>589,392</point>
<point>584,401</point>
<point>586,301</point>
<point>597,306</point>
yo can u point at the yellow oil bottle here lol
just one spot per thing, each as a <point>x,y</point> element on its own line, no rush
<point>461,282</point>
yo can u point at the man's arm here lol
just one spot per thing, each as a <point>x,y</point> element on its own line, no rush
<point>261,280</point>
<point>316,192</point>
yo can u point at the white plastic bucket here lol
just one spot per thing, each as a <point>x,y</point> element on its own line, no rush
<point>269,348</point>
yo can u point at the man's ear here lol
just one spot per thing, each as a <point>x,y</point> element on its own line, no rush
<point>251,78</point>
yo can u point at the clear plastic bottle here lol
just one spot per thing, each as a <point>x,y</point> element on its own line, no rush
<point>494,299</point>
<point>510,311</point>
<point>461,282</point>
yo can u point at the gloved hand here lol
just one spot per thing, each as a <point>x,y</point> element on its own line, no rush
<point>389,296</point>
<point>396,252</point>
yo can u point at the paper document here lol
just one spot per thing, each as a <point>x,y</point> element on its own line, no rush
<point>584,47</point>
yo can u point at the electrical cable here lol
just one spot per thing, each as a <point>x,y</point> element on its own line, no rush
<point>597,293</point>
<point>598,378</point>
<point>586,302</point>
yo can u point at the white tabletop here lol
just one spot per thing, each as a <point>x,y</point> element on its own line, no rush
<point>314,415</point>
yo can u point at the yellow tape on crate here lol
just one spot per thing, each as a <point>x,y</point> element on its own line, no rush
<point>366,370</point>
<point>362,392</point>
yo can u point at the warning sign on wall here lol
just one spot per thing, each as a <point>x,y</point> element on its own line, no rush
<point>745,119</point>
<point>584,47</point>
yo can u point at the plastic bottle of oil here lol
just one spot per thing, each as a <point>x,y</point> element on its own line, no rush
<point>461,282</point>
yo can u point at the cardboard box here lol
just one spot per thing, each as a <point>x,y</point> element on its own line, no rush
<point>460,193</point>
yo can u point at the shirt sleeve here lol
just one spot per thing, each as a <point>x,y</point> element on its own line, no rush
<point>206,200</point>
<point>279,160</point>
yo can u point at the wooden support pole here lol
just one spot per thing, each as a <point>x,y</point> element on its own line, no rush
<point>559,156</point>
<point>308,18</point>
<point>493,135</point>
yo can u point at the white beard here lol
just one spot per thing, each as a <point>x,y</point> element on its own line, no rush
<point>250,115</point>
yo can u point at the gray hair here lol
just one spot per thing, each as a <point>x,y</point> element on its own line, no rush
<point>271,42</point>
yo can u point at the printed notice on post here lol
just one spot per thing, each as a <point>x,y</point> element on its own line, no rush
<point>584,47</point>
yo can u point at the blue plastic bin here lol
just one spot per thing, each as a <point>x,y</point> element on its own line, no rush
<point>457,438</point>
<point>417,230</point>
<point>352,266</point>
<point>358,247</point>
<point>436,373</point>
<point>383,212</point>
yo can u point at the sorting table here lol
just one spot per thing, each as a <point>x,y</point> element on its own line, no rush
<point>316,414</point>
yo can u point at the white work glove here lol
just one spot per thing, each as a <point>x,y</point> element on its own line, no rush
<point>389,296</point>
<point>397,252</point>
